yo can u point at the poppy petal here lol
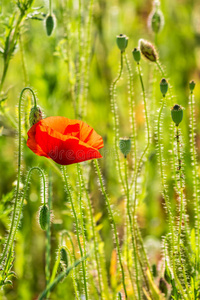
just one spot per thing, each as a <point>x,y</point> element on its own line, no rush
<point>63,149</point>
<point>32,144</point>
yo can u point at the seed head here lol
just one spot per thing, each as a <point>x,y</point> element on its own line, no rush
<point>136,55</point>
<point>148,50</point>
<point>122,42</point>
<point>164,86</point>
<point>192,85</point>
<point>125,146</point>
<point>177,114</point>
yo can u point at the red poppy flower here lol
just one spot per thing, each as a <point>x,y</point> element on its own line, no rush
<point>63,140</point>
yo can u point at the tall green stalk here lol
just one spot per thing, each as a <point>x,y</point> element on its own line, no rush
<point>196,194</point>
<point>9,242</point>
<point>77,232</point>
<point>113,226</point>
<point>96,249</point>
<point>165,195</point>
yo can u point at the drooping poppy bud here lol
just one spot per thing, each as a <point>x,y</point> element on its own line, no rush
<point>136,55</point>
<point>35,115</point>
<point>167,273</point>
<point>164,86</point>
<point>125,146</point>
<point>148,50</point>
<point>177,114</point>
<point>156,18</point>
<point>163,286</point>
<point>64,256</point>
<point>122,41</point>
<point>192,85</point>
<point>50,24</point>
<point>43,217</point>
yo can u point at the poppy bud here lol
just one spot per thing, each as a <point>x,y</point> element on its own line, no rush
<point>50,24</point>
<point>64,256</point>
<point>164,86</point>
<point>35,115</point>
<point>154,270</point>
<point>43,217</point>
<point>156,20</point>
<point>122,42</point>
<point>177,114</point>
<point>148,50</point>
<point>136,55</point>
<point>120,296</point>
<point>163,286</point>
<point>125,146</point>
<point>192,85</point>
<point>167,273</point>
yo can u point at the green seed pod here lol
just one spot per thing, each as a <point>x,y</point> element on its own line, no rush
<point>192,85</point>
<point>125,146</point>
<point>167,273</point>
<point>163,286</point>
<point>164,86</point>
<point>177,114</point>
<point>43,217</point>
<point>64,256</point>
<point>122,42</point>
<point>154,270</point>
<point>148,50</point>
<point>119,296</point>
<point>35,115</point>
<point>50,24</point>
<point>136,55</point>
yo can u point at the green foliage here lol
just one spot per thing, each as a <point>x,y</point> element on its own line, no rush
<point>153,195</point>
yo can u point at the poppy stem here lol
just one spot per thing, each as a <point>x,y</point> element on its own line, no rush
<point>116,118</point>
<point>165,195</point>
<point>8,245</point>
<point>96,248</point>
<point>77,231</point>
<point>12,233</point>
<point>48,234</point>
<point>196,191</point>
<point>132,229</point>
<point>114,227</point>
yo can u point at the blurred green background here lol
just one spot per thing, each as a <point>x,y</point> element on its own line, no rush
<point>48,73</point>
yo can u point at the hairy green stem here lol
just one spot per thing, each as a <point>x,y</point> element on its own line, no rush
<point>13,222</point>
<point>113,225</point>
<point>116,118</point>
<point>132,229</point>
<point>12,236</point>
<point>48,234</point>
<point>166,199</point>
<point>195,174</point>
<point>77,231</point>
<point>96,251</point>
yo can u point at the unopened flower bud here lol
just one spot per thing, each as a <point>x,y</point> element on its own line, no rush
<point>136,55</point>
<point>167,273</point>
<point>192,85</point>
<point>50,24</point>
<point>148,50</point>
<point>156,20</point>
<point>64,256</point>
<point>43,217</point>
<point>122,42</point>
<point>35,115</point>
<point>177,114</point>
<point>163,286</point>
<point>125,146</point>
<point>164,86</point>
